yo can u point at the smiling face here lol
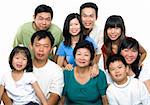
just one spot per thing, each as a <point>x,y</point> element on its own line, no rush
<point>42,21</point>
<point>82,57</point>
<point>114,33</point>
<point>88,17</point>
<point>41,48</point>
<point>129,54</point>
<point>118,72</point>
<point>19,61</point>
<point>74,27</point>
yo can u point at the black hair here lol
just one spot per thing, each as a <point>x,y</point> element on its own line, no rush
<point>66,33</point>
<point>43,8</point>
<point>89,5</point>
<point>114,58</point>
<point>26,52</point>
<point>112,22</point>
<point>129,43</point>
<point>41,35</point>
<point>85,44</point>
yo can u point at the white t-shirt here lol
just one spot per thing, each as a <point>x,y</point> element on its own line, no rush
<point>97,36</point>
<point>133,92</point>
<point>21,91</point>
<point>50,78</point>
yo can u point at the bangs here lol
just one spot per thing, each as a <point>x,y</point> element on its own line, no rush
<point>113,24</point>
<point>131,45</point>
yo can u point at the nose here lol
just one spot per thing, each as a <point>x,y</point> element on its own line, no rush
<point>41,49</point>
<point>112,30</point>
<point>44,21</point>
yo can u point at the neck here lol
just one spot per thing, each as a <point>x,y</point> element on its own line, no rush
<point>122,81</point>
<point>81,70</point>
<point>87,31</point>
<point>38,63</point>
<point>74,40</point>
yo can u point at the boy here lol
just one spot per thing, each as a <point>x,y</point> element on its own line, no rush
<point>124,90</point>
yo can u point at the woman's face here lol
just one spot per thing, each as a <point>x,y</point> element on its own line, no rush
<point>129,54</point>
<point>114,33</point>
<point>82,57</point>
<point>74,27</point>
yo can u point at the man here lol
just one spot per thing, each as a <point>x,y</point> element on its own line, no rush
<point>43,16</point>
<point>89,15</point>
<point>49,74</point>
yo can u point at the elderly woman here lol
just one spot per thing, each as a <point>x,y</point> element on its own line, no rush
<point>80,88</point>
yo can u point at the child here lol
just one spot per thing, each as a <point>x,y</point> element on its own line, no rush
<point>124,90</point>
<point>20,83</point>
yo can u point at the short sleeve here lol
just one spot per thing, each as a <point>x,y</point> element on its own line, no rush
<point>102,83</point>
<point>110,97</point>
<point>57,83</point>
<point>60,50</point>
<point>92,41</point>
<point>31,77</point>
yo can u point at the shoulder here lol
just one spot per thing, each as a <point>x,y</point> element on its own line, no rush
<point>26,26</point>
<point>55,27</point>
<point>54,67</point>
<point>101,74</point>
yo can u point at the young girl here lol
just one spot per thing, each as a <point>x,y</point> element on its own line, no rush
<point>20,84</point>
<point>114,34</point>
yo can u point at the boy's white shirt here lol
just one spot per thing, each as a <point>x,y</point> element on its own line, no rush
<point>133,92</point>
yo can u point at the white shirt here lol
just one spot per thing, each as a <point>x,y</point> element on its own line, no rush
<point>21,91</point>
<point>50,78</point>
<point>133,92</point>
<point>97,36</point>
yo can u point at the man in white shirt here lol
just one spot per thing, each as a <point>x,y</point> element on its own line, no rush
<point>48,73</point>
<point>89,15</point>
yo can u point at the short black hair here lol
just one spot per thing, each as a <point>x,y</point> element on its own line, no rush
<point>43,8</point>
<point>89,5</point>
<point>113,58</point>
<point>24,50</point>
<point>85,44</point>
<point>43,34</point>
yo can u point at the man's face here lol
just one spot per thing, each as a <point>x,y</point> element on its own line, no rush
<point>88,17</point>
<point>42,21</point>
<point>41,48</point>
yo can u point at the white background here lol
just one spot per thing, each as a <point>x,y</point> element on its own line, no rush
<point>13,13</point>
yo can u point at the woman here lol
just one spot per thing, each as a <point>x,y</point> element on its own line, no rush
<point>80,88</point>
<point>73,33</point>
<point>129,49</point>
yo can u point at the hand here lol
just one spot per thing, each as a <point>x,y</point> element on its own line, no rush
<point>94,71</point>
<point>68,67</point>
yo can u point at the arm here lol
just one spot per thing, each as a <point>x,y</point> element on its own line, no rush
<point>95,68</point>
<point>60,60</point>
<point>104,100</point>
<point>1,91</point>
<point>6,100</point>
<point>39,93</point>
<point>62,101</point>
<point>143,54</point>
<point>56,87</point>
<point>53,99</point>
